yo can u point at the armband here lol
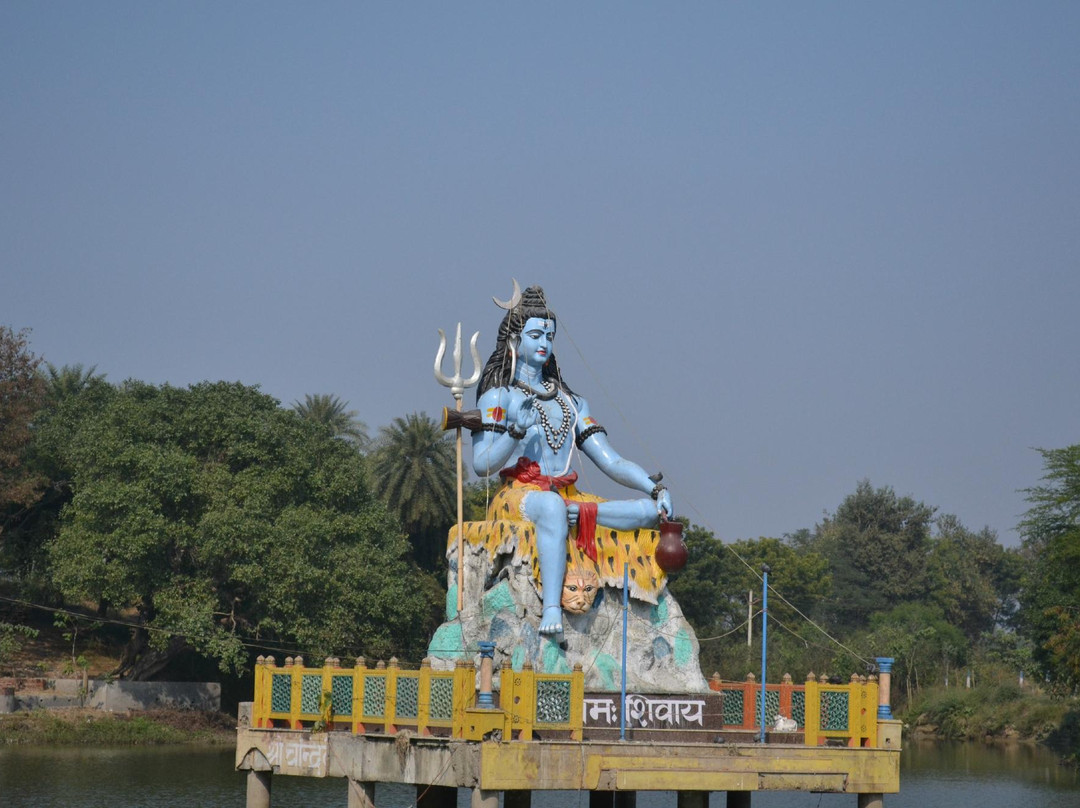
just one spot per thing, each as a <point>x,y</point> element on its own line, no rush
<point>490,428</point>
<point>588,433</point>
<point>657,489</point>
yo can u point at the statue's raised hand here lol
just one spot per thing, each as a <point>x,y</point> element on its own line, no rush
<point>522,412</point>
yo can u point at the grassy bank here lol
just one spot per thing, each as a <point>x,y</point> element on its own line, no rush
<point>151,727</point>
<point>997,712</point>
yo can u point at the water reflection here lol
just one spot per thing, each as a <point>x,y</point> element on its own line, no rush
<point>932,776</point>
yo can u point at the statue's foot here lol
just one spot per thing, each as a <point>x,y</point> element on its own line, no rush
<point>551,622</point>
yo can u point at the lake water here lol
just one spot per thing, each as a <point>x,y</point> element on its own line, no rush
<point>932,776</point>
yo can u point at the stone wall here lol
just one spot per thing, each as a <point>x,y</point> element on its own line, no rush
<point>120,696</point>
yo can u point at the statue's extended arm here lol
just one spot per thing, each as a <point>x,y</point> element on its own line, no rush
<point>599,450</point>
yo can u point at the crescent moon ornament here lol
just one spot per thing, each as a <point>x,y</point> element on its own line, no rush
<point>514,300</point>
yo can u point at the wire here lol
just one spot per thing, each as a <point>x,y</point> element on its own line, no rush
<point>253,643</point>
<point>699,639</point>
<point>819,628</point>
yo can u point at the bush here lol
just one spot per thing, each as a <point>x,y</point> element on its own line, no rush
<point>991,711</point>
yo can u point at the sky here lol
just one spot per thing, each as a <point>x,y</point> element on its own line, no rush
<point>791,246</point>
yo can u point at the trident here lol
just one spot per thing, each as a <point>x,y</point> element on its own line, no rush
<point>458,385</point>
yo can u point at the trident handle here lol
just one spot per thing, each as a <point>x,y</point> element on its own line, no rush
<point>458,384</point>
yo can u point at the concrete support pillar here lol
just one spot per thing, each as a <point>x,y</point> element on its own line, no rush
<point>517,799</point>
<point>484,799</point>
<point>258,789</point>
<point>692,799</point>
<point>601,799</point>
<point>738,799</point>
<point>612,799</point>
<point>361,795</point>
<point>436,796</point>
<point>871,801</point>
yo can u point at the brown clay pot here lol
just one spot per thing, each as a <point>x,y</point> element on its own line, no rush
<point>671,553</point>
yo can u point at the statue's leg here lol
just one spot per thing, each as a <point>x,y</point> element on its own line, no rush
<point>627,514</point>
<point>547,511</point>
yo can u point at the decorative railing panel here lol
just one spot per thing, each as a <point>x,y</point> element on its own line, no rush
<point>822,712</point>
<point>386,699</point>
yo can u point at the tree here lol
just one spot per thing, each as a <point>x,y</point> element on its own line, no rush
<point>333,413</point>
<point>877,545</point>
<point>415,472</point>
<point>713,591</point>
<point>28,529</point>
<point>226,523</point>
<point>67,381</point>
<point>21,391</point>
<point>1050,595</point>
<point>968,575</point>
<point>925,645</point>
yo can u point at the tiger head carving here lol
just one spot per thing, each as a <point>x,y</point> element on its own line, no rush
<point>579,589</point>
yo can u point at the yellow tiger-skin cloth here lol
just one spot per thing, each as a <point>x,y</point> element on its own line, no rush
<point>506,531</point>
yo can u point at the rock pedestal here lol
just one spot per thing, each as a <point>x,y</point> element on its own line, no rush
<point>502,605</point>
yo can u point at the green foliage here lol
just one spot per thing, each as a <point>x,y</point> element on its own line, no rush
<point>1050,611</point>
<point>960,713</point>
<point>59,727</point>
<point>221,518</point>
<point>21,392</point>
<point>713,591</point>
<point>68,381</point>
<point>970,576</point>
<point>334,414</point>
<point>415,473</point>
<point>926,647</point>
<point>12,638</point>
<point>477,498</point>
<point>876,544</point>
<point>73,625</point>
<point>29,529</point>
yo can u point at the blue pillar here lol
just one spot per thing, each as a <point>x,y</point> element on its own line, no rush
<point>625,622</point>
<point>765,570</point>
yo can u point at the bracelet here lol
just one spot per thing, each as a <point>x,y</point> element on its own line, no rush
<point>587,433</point>
<point>657,489</point>
<point>515,432</point>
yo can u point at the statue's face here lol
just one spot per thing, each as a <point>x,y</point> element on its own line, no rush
<point>579,589</point>
<point>537,338</point>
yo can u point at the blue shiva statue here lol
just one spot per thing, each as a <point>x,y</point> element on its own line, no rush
<point>531,424</point>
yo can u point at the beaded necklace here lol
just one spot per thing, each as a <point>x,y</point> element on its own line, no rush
<point>555,436</point>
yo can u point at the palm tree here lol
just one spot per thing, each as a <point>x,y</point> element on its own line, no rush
<point>332,412</point>
<point>68,381</point>
<point>414,467</point>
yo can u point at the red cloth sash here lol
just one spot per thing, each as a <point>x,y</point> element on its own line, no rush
<point>586,528</point>
<point>528,471</point>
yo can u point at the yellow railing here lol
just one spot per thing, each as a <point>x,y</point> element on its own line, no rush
<point>388,699</point>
